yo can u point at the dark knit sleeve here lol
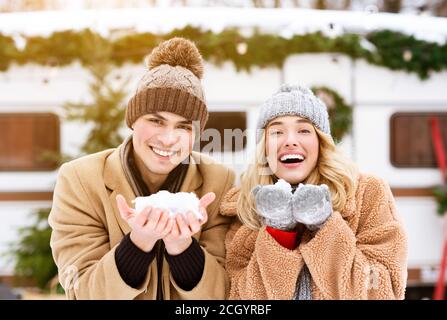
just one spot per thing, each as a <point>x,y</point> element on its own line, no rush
<point>187,267</point>
<point>132,262</point>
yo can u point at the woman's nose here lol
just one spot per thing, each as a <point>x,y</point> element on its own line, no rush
<point>291,144</point>
<point>291,141</point>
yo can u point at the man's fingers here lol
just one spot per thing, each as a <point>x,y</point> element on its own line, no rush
<point>206,200</point>
<point>141,218</point>
<point>154,218</point>
<point>194,224</point>
<point>182,226</point>
<point>175,232</point>
<point>125,211</point>
<point>204,215</point>
<point>162,222</point>
<point>169,227</point>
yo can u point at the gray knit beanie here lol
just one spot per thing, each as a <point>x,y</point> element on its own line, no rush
<point>294,100</point>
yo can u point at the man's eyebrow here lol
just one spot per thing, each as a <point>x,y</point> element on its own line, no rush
<point>158,116</point>
<point>185,122</point>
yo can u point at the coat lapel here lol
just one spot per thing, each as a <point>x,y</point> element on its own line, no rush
<point>116,181</point>
<point>193,178</point>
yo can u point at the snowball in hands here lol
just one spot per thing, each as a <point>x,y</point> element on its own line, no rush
<point>283,185</point>
<point>175,203</point>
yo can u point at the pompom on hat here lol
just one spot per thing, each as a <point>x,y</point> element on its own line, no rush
<point>172,83</point>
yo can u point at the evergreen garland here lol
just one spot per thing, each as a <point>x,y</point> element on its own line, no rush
<point>340,113</point>
<point>398,51</point>
<point>393,50</point>
<point>8,52</point>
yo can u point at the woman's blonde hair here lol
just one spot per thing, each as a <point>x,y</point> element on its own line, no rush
<point>333,169</point>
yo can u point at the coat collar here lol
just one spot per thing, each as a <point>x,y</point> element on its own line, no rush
<point>116,181</point>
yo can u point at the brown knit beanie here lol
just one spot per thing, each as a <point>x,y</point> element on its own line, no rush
<point>172,83</point>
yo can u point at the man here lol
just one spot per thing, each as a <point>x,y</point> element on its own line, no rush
<point>106,250</point>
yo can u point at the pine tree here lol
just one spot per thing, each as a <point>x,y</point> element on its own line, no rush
<point>31,253</point>
<point>105,112</point>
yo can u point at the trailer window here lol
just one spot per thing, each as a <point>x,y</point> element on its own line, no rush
<point>411,141</point>
<point>24,139</point>
<point>224,132</point>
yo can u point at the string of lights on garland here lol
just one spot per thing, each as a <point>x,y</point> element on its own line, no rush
<point>385,48</point>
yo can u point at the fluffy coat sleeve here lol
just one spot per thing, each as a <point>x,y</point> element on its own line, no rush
<point>370,263</point>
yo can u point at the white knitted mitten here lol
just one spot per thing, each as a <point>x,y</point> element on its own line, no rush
<point>311,205</point>
<point>273,204</point>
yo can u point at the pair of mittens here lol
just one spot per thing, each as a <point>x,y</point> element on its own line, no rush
<point>281,209</point>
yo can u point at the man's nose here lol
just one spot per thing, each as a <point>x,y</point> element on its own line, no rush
<point>168,138</point>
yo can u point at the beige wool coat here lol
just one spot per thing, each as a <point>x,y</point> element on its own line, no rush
<point>87,228</point>
<point>359,253</point>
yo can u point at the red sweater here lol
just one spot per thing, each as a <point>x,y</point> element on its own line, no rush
<point>288,239</point>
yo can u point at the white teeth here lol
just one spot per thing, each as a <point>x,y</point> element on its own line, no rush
<point>163,153</point>
<point>291,156</point>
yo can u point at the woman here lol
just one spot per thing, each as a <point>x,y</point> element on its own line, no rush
<point>333,233</point>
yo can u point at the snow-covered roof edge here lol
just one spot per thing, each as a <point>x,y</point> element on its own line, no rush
<point>285,22</point>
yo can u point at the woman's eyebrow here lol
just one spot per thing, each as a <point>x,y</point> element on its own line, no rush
<point>278,123</point>
<point>275,123</point>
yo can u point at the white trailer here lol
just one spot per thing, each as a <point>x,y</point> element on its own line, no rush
<point>376,94</point>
